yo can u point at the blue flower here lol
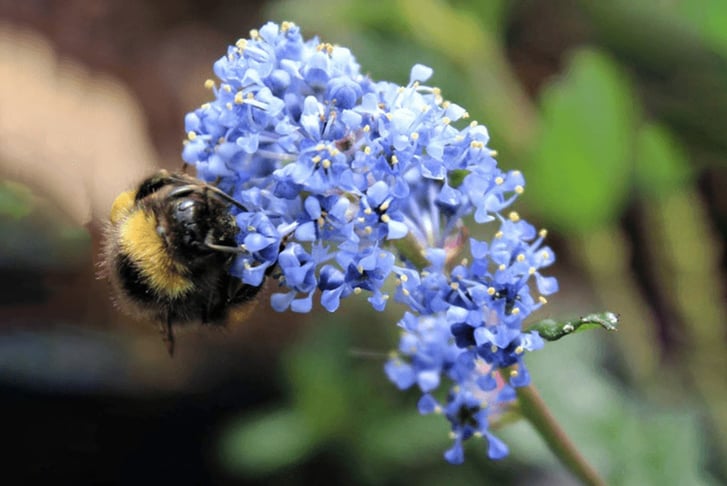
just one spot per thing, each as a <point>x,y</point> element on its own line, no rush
<point>346,181</point>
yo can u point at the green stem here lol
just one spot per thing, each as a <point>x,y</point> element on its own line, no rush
<point>534,409</point>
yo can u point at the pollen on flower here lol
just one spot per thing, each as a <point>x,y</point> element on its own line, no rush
<point>368,211</point>
<point>475,144</point>
<point>493,153</point>
<point>520,257</point>
<point>286,25</point>
<point>493,348</point>
<point>465,115</point>
<point>519,350</point>
<point>326,164</point>
<point>315,159</point>
<point>385,218</point>
<point>367,150</point>
<point>404,278</point>
<point>545,255</point>
<point>454,285</point>
<point>502,266</point>
<point>205,106</point>
<point>357,290</point>
<point>239,98</point>
<point>532,270</point>
<point>209,83</point>
<point>491,291</point>
<point>241,44</point>
<point>515,311</point>
<point>499,180</point>
<point>543,233</point>
<point>543,300</point>
<point>519,189</point>
<point>514,216</point>
<point>229,106</point>
<point>446,120</point>
<point>191,135</point>
<point>499,235</point>
<point>385,205</point>
<point>414,136</point>
<point>325,47</point>
<point>366,129</point>
<point>254,34</point>
<point>227,88</point>
<point>405,292</point>
<point>514,373</point>
<point>368,230</point>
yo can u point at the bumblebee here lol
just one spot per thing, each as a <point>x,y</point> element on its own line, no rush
<point>168,249</point>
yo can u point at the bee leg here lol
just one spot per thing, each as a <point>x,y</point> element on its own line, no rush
<point>165,328</point>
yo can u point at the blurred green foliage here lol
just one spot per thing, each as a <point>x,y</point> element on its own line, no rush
<point>607,144</point>
<point>583,154</point>
<point>35,234</point>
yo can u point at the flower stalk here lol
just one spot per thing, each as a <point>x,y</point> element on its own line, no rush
<point>533,408</point>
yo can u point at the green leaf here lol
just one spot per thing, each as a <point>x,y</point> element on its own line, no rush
<point>391,438</point>
<point>661,164</point>
<point>708,18</point>
<point>552,330</point>
<point>581,174</point>
<point>318,370</point>
<point>16,200</point>
<point>260,445</point>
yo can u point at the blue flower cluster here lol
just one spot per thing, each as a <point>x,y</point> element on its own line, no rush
<point>348,182</point>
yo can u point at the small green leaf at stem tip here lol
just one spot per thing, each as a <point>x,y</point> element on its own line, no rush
<point>552,330</point>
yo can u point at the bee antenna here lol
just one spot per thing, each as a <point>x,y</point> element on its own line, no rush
<point>223,248</point>
<point>216,191</point>
<point>226,197</point>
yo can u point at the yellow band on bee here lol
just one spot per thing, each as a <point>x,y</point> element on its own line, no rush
<point>139,240</point>
<point>122,204</point>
